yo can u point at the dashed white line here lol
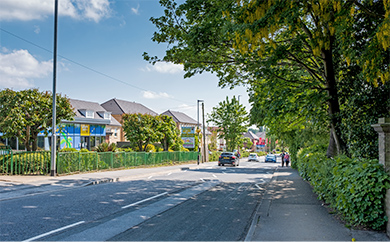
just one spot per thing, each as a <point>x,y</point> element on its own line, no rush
<point>147,199</point>
<point>53,231</point>
<point>214,176</point>
<point>259,187</point>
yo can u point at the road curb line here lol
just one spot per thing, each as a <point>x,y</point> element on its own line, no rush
<point>262,203</point>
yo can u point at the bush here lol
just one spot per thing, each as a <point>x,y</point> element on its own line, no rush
<point>214,156</point>
<point>105,147</point>
<point>356,188</point>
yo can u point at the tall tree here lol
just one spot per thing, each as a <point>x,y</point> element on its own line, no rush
<point>232,121</point>
<point>171,134</point>
<point>24,114</point>
<point>141,130</point>
<point>300,45</point>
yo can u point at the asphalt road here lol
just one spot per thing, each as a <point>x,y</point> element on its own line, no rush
<point>214,203</point>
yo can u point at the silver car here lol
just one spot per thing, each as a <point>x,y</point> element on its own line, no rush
<point>253,157</point>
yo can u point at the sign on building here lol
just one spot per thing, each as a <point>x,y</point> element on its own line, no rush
<point>188,137</point>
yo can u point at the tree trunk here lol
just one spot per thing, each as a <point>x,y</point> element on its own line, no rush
<point>333,107</point>
<point>27,139</point>
<point>34,138</point>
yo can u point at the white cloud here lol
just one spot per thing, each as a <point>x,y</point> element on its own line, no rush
<point>154,95</point>
<point>135,10</point>
<point>18,68</point>
<point>165,67</point>
<point>26,10</point>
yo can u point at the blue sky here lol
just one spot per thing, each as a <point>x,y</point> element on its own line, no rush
<point>100,46</point>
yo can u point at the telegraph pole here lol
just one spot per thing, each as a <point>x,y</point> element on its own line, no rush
<point>54,126</point>
<point>204,135</point>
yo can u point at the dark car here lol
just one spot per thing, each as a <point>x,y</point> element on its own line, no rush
<point>270,158</point>
<point>228,158</point>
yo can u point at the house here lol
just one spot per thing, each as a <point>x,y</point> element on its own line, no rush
<point>186,125</point>
<point>254,138</point>
<point>118,108</point>
<point>89,127</point>
<point>181,119</point>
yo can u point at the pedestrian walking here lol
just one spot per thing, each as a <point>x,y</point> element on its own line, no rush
<point>287,159</point>
<point>282,155</point>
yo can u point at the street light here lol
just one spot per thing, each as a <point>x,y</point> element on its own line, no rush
<point>197,128</point>
<point>54,125</point>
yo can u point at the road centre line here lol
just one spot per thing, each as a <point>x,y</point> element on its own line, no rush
<point>145,200</point>
<point>53,231</point>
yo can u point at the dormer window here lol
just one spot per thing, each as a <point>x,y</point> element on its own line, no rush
<point>89,114</point>
<point>107,115</point>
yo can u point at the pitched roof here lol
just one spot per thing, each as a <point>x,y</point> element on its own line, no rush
<point>117,106</point>
<point>179,117</point>
<point>251,135</point>
<point>79,106</point>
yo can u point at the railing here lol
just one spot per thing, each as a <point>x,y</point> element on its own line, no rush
<point>25,163</point>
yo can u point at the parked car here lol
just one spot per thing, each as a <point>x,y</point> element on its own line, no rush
<point>253,157</point>
<point>228,158</point>
<point>270,158</point>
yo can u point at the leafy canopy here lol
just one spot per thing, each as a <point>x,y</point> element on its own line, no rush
<point>24,114</point>
<point>232,121</point>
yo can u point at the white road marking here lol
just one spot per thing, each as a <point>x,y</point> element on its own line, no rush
<point>170,173</point>
<point>147,199</point>
<point>150,177</point>
<point>259,187</point>
<point>53,231</point>
<point>214,176</point>
<point>202,179</point>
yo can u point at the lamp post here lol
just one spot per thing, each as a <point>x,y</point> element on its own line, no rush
<point>54,128</point>
<point>197,128</point>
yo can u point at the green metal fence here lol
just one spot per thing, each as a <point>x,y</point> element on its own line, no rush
<point>26,163</point>
<point>68,162</point>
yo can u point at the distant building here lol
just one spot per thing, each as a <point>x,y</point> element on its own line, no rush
<point>181,119</point>
<point>118,108</point>
<point>254,138</point>
<point>89,127</point>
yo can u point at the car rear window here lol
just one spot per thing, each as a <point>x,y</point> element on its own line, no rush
<point>226,153</point>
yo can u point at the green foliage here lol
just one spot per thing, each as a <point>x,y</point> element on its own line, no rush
<point>68,150</point>
<point>26,113</point>
<point>231,119</point>
<point>294,58</point>
<point>144,129</point>
<point>105,147</point>
<point>125,150</point>
<point>356,188</point>
<point>24,163</point>
<point>214,156</point>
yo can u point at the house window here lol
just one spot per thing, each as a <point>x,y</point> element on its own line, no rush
<point>107,115</point>
<point>89,114</point>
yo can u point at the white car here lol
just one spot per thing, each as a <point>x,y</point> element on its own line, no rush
<point>253,157</point>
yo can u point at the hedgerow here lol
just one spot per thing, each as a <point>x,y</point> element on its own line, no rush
<point>356,188</point>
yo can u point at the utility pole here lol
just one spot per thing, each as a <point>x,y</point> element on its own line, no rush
<point>197,128</point>
<point>54,126</point>
<point>204,135</point>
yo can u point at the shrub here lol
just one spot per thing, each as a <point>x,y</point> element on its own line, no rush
<point>356,188</point>
<point>68,150</point>
<point>214,156</point>
<point>105,147</point>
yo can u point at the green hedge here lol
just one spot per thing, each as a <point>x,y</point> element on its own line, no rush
<point>356,188</point>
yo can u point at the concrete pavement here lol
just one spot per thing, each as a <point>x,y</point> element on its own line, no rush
<point>289,210</point>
